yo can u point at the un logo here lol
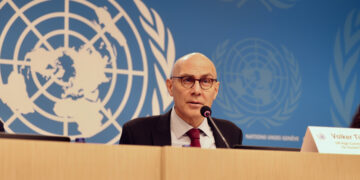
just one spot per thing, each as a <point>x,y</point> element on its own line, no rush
<point>75,68</point>
<point>343,80</point>
<point>260,83</point>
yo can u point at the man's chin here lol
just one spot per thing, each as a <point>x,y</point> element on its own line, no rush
<point>195,113</point>
<point>192,112</point>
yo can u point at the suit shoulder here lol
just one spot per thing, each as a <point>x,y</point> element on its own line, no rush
<point>232,133</point>
<point>226,124</point>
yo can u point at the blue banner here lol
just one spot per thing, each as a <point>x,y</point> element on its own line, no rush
<point>84,68</point>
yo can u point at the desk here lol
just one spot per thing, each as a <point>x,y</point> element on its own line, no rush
<point>37,160</point>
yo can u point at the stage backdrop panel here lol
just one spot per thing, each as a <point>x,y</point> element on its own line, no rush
<point>84,68</point>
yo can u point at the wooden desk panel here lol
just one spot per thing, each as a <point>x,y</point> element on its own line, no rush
<point>37,160</point>
<point>223,164</point>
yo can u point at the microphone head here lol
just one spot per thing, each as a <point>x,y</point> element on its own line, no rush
<point>205,111</point>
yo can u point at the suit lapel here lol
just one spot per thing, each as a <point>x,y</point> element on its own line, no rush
<point>218,141</point>
<point>161,131</point>
<point>161,134</point>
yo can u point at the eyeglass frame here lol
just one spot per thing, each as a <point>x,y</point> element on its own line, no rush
<point>200,80</point>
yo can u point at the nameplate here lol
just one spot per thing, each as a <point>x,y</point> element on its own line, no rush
<point>331,140</point>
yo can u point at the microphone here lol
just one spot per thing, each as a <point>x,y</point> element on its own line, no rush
<point>206,112</point>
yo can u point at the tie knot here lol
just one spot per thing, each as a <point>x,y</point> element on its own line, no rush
<point>194,133</point>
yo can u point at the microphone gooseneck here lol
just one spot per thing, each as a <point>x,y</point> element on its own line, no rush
<point>206,112</point>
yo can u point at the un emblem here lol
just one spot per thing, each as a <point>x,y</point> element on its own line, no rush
<point>75,68</point>
<point>259,82</point>
<point>343,81</point>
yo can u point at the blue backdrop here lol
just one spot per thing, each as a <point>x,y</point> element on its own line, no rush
<point>84,68</point>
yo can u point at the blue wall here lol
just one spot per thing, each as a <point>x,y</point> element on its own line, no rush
<point>282,64</point>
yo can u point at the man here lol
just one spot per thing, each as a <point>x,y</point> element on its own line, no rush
<point>192,84</point>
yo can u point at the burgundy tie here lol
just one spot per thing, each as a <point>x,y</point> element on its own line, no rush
<point>194,135</point>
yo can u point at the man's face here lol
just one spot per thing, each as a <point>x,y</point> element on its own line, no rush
<point>188,101</point>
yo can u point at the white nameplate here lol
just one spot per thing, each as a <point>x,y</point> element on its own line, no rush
<point>331,140</point>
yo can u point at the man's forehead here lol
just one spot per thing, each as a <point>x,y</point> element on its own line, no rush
<point>194,64</point>
<point>183,74</point>
<point>196,70</point>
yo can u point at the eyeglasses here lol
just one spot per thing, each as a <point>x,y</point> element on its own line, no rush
<point>188,81</point>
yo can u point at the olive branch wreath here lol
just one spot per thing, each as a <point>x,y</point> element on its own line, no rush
<point>163,50</point>
<point>342,79</point>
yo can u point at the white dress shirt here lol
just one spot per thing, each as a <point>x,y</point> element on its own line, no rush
<point>179,127</point>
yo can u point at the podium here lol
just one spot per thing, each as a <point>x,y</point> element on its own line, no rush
<point>24,159</point>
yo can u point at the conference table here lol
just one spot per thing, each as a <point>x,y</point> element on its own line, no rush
<point>37,160</point>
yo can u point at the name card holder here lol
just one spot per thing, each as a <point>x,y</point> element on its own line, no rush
<point>331,140</point>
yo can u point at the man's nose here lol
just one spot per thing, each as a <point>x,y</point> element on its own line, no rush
<point>197,88</point>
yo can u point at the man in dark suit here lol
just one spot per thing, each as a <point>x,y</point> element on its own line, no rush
<point>356,119</point>
<point>192,84</point>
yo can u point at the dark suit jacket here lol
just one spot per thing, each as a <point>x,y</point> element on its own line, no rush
<point>155,130</point>
<point>356,120</point>
<point>1,127</point>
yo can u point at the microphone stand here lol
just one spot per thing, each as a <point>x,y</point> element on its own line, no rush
<point>218,131</point>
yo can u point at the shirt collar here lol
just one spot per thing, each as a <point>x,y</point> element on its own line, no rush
<point>180,127</point>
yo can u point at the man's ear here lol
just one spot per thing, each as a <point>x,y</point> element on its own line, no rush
<point>169,86</point>
<point>216,88</point>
